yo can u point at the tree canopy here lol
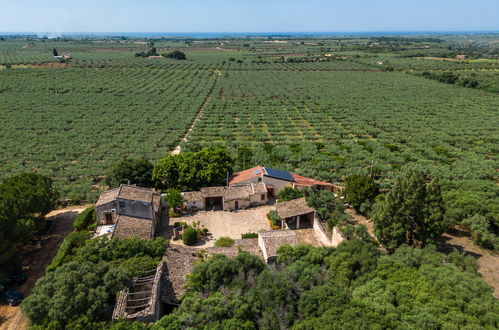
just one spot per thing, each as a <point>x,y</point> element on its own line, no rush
<point>135,171</point>
<point>25,199</point>
<point>353,286</point>
<point>192,170</point>
<point>411,213</point>
<point>83,285</point>
<point>176,54</point>
<point>360,189</point>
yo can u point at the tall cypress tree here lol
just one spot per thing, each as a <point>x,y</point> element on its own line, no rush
<point>411,213</point>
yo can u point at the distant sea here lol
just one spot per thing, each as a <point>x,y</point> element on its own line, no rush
<point>208,35</point>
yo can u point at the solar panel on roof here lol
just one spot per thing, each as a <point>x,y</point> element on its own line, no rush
<point>257,172</point>
<point>278,174</point>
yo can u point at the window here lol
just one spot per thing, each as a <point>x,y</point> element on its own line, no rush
<point>259,179</point>
<point>263,197</point>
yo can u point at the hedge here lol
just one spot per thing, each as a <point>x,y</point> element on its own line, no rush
<point>85,219</point>
<point>67,249</point>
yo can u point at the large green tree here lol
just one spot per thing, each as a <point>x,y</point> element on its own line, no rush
<point>360,189</point>
<point>192,170</point>
<point>411,213</point>
<point>135,171</point>
<point>25,199</point>
<point>76,288</point>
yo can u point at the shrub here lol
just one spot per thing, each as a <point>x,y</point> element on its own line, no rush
<point>274,219</point>
<point>249,235</point>
<point>190,236</point>
<point>288,193</point>
<point>224,242</point>
<point>67,249</point>
<point>85,219</point>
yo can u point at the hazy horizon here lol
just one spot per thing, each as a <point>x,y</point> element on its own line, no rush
<point>223,16</point>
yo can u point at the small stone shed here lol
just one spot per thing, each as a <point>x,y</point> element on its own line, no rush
<point>140,300</point>
<point>295,214</point>
<point>269,241</point>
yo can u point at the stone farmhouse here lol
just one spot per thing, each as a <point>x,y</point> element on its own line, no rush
<point>276,180</point>
<point>130,211</point>
<point>227,198</point>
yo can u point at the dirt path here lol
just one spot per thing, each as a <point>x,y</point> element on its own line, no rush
<point>488,263</point>
<point>178,148</point>
<point>38,253</point>
<point>362,220</point>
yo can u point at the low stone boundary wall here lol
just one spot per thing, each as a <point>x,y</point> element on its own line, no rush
<point>321,234</point>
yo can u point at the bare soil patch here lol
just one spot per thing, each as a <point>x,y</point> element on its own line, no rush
<point>488,262</point>
<point>37,254</point>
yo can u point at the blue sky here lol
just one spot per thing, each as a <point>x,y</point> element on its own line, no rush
<point>248,16</point>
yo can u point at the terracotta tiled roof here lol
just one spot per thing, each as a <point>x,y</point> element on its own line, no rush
<point>127,227</point>
<point>304,181</point>
<point>246,175</point>
<point>238,192</point>
<point>293,208</point>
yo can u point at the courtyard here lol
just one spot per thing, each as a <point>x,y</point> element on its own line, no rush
<point>230,224</point>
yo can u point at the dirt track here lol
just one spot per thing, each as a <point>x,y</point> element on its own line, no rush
<point>38,254</point>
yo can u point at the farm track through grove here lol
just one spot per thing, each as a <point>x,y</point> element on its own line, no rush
<point>178,148</point>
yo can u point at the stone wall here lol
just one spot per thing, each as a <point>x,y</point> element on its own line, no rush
<point>337,237</point>
<point>333,241</point>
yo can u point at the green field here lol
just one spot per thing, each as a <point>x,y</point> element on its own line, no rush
<point>295,107</point>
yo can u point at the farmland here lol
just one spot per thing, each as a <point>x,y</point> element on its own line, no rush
<point>73,124</point>
<point>368,106</point>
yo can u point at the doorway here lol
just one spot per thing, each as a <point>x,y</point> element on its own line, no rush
<point>108,218</point>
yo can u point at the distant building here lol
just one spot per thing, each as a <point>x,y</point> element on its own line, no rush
<point>461,57</point>
<point>134,211</point>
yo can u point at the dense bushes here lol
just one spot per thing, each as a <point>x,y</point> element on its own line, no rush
<point>190,236</point>
<point>411,213</point>
<point>68,248</point>
<point>76,288</point>
<point>131,171</point>
<point>274,219</point>
<point>354,286</point>
<point>85,219</point>
<point>360,192</point>
<point>25,199</point>
<point>176,54</point>
<point>83,281</point>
